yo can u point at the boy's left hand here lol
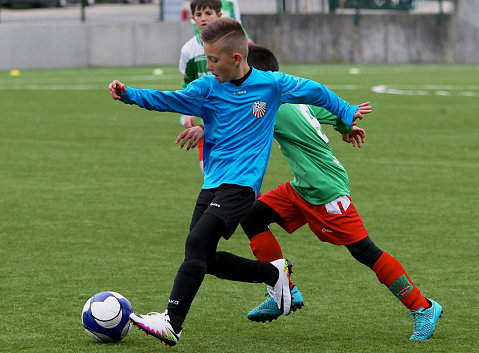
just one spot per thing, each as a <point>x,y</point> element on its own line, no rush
<point>193,134</point>
<point>355,137</point>
<point>364,108</point>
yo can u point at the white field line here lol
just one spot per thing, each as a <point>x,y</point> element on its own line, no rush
<point>85,87</point>
<point>85,83</point>
<point>72,87</point>
<point>428,90</point>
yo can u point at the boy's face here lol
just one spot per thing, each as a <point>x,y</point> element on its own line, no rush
<point>205,16</point>
<point>221,64</point>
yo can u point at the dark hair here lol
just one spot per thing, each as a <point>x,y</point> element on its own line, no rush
<point>202,4</point>
<point>262,58</point>
<point>229,32</point>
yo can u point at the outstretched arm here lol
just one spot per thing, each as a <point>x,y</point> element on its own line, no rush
<point>188,101</point>
<point>355,137</point>
<point>298,90</point>
<point>192,135</point>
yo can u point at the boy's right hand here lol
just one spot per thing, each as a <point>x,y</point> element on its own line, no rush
<point>116,89</point>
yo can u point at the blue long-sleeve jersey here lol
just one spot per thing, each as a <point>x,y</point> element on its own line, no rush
<point>239,120</point>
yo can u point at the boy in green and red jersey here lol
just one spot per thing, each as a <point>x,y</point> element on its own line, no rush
<point>319,197</point>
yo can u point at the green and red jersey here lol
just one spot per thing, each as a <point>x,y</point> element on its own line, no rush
<point>318,176</point>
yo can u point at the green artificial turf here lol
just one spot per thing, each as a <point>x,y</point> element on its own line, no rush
<point>96,196</point>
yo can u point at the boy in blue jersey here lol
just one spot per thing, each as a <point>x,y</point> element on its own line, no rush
<point>238,105</point>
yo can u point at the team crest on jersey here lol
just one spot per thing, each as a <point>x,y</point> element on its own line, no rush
<point>259,109</point>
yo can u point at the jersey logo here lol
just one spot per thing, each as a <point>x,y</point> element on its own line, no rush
<point>259,109</point>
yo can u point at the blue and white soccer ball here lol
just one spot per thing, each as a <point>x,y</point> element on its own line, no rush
<point>105,317</point>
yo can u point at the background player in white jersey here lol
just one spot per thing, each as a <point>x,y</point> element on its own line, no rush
<point>192,59</point>
<point>238,105</point>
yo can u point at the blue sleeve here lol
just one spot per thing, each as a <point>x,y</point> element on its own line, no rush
<point>303,91</point>
<point>325,117</point>
<point>188,101</point>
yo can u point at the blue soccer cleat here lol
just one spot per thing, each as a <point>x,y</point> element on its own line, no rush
<point>269,311</point>
<point>425,321</point>
<point>297,302</point>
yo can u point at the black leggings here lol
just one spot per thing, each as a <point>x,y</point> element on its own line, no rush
<point>201,258</point>
<point>201,255</point>
<point>258,218</point>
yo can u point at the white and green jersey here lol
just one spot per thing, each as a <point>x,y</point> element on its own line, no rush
<point>318,176</point>
<point>193,60</point>
<point>230,8</point>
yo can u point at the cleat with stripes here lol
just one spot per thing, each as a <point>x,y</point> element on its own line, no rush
<point>280,292</point>
<point>157,325</point>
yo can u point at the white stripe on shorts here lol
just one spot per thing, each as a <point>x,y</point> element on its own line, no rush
<point>333,206</point>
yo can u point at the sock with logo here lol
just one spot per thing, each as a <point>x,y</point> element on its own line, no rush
<point>187,282</point>
<point>200,246</point>
<point>391,273</point>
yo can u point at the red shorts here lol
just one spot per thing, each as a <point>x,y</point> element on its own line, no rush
<point>336,222</point>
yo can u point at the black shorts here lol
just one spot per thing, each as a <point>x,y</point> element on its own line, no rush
<point>228,202</point>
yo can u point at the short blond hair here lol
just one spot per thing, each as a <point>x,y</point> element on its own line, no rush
<point>229,33</point>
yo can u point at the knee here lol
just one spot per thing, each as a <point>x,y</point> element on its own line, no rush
<point>365,251</point>
<point>193,242</point>
<point>194,267</point>
<point>214,265</point>
<point>257,219</point>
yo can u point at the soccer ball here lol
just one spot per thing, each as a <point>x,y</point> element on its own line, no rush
<point>105,317</point>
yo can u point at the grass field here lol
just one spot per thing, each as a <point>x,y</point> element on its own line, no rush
<point>96,196</point>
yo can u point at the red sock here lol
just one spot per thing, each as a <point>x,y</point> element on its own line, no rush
<point>391,273</point>
<point>265,247</point>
